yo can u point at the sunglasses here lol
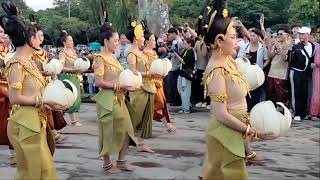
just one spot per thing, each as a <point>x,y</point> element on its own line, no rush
<point>282,33</point>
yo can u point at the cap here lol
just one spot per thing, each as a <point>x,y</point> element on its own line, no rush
<point>305,30</point>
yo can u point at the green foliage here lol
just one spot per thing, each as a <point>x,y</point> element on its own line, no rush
<point>248,11</point>
<point>305,11</point>
<point>184,11</point>
<point>87,15</point>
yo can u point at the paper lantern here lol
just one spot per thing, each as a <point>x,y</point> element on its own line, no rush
<point>128,78</point>
<point>254,76</point>
<point>53,67</point>
<point>242,65</point>
<point>82,64</point>
<point>160,67</point>
<point>265,116</point>
<point>7,57</point>
<point>57,92</point>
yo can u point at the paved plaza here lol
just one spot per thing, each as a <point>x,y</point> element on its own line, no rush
<point>180,155</point>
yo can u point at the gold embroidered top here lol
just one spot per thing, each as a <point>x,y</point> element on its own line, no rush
<point>24,76</point>
<point>236,87</point>
<point>67,59</point>
<point>142,65</point>
<point>3,52</point>
<point>109,68</point>
<point>40,57</point>
<point>152,55</point>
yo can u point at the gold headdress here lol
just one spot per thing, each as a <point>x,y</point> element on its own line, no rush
<point>215,11</point>
<point>138,30</point>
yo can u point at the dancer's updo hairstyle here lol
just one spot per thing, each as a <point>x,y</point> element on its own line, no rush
<point>19,30</point>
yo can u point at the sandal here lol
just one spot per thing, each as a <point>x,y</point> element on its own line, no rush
<point>143,148</point>
<point>171,128</point>
<point>59,139</point>
<point>111,169</point>
<point>76,123</point>
<point>254,157</point>
<point>123,166</point>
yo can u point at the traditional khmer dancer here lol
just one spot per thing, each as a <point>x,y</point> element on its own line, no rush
<point>68,56</point>
<point>115,127</point>
<point>4,100</point>
<point>141,100</point>
<point>41,57</point>
<point>27,127</point>
<point>230,125</point>
<point>161,112</point>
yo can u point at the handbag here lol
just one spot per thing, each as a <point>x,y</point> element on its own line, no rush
<point>189,73</point>
<point>58,120</point>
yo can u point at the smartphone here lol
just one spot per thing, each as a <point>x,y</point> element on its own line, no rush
<point>262,18</point>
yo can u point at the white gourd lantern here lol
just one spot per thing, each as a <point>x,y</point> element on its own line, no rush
<point>128,78</point>
<point>7,58</point>
<point>160,67</point>
<point>254,76</point>
<point>242,64</point>
<point>57,92</point>
<point>82,64</point>
<point>53,67</point>
<point>265,116</point>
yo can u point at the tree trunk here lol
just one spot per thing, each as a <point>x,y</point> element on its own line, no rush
<point>156,15</point>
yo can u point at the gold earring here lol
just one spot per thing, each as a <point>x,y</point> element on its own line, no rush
<point>220,51</point>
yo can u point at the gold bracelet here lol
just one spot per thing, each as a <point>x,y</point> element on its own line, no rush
<point>36,98</point>
<point>115,87</point>
<point>247,131</point>
<point>41,102</point>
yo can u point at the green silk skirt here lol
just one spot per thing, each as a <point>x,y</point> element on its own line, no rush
<point>225,154</point>
<point>114,122</point>
<point>33,144</point>
<point>142,103</point>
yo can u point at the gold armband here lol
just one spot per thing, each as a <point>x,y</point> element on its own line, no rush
<point>132,66</point>
<point>219,97</point>
<point>16,86</point>
<point>99,71</point>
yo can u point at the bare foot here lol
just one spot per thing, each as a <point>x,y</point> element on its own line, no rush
<point>111,169</point>
<point>143,148</point>
<point>77,124</point>
<point>123,166</point>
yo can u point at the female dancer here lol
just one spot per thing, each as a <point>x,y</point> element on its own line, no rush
<point>27,126</point>
<point>40,57</point>
<point>67,56</point>
<point>115,127</point>
<point>4,100</point>
<point>227,90</point>
<point>142,100</point>
<point>160,104</point>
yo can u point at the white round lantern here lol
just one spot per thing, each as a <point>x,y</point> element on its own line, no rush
<point>128,78</point>
<point>56,91</point>
<point>160,67</point>
<point>265,116</point>
<point>53,67</point>
<point>254,76</point>
<point>82,64</point>
<point>242,64</point>
<point>7,58</point>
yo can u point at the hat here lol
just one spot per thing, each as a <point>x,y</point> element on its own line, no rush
<point>305,30</point>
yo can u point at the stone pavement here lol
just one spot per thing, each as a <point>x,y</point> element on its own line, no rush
<point>180,155</point>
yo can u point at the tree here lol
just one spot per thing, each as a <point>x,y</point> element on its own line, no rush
<point>248,11</point>
<point>185,11</point>
<point>304,12</point>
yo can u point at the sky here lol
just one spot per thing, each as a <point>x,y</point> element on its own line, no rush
<point>39,4</point>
